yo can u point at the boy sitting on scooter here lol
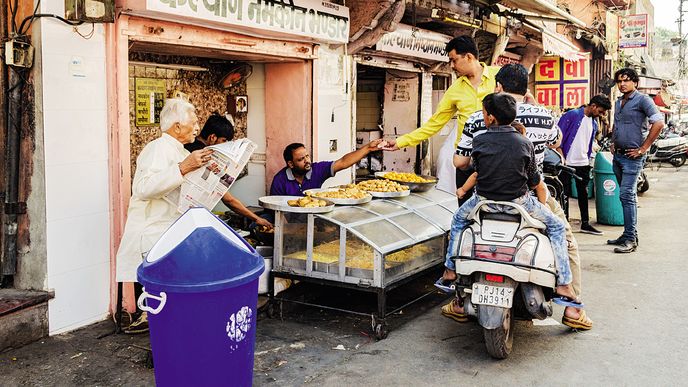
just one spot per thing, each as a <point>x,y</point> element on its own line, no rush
<point>506,168</point>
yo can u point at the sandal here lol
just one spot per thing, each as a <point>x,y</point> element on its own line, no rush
<point>567,301</point>
<point>445,285</point>
<point>582,322</point>
<point>448,311</point>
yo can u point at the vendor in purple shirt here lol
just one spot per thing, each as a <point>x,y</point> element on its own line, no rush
<point>300,174</point>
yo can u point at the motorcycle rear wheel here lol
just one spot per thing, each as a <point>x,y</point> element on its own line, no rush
<point>643,183</point>
<point>677,161</point>
<point>499,341</point>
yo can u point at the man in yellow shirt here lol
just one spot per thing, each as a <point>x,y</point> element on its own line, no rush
<point>463,98</point>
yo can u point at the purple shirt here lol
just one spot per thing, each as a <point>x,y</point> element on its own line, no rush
<point>284,182</point>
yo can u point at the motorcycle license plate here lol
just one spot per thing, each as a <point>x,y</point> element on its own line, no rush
<point>492,295</point>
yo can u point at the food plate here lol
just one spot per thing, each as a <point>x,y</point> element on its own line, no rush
<point>414,187</point>
<point>340,202</point>
<point>279,203</point>
<point>397,194</point>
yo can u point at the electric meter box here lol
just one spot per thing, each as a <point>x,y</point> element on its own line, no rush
<point>91,11</point>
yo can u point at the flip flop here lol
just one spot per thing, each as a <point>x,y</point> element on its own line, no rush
<point>445,286</point>
<point>448,311</point>
<point>582,322</point>
<point>567,301</point>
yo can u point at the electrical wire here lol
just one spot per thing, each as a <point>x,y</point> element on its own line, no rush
<point>60,18</point>
<point>33,16</point>
<point>13,11</point>
<point>87,36</point>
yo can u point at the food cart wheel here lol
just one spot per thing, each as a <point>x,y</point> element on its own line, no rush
<point>381,331</point>
<point>271,310</point>
<point>379,328</point>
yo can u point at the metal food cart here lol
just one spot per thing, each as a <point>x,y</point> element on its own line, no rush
<point>373,247</point>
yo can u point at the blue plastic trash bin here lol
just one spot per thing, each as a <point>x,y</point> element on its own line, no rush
<point>607,201</point>
<point>201,293</point>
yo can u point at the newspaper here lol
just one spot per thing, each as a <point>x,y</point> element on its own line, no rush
<point>205,186</point>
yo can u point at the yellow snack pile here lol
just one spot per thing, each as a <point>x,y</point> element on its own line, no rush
<point>406,177</point>
<point>382,185</point>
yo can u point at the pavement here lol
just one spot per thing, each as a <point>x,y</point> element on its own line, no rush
<point>636,301</point>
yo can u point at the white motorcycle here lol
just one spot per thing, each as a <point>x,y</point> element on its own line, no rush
<point>506,271</point>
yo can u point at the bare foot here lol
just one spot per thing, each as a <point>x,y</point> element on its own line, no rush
<point>449,275</point>
<point>572,312</point>
<point>566,291</point>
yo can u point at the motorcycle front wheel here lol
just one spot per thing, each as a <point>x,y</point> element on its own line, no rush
<point>499,341</point>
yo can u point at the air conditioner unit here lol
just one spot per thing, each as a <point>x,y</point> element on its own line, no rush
<point>92,11</point>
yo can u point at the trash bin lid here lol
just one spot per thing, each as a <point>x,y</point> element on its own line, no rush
<point>199,253</point>
<point>603,162</point>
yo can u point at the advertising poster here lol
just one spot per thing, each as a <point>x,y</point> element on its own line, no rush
<point>633,31</point>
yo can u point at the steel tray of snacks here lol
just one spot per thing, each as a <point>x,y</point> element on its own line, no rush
<point>338,201</point>
<point>279,203</point>
<point>414,187</point>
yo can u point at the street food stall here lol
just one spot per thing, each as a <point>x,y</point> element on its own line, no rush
<point>369,245</point>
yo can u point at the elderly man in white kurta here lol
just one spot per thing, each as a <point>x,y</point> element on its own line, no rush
<point>159,169</point>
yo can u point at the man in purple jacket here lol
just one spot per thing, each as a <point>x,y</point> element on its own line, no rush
<point>578,128</point>
<point>301,174</point>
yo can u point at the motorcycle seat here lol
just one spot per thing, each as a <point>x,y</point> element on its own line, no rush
<point>485,206</point>
<point>500,216</point>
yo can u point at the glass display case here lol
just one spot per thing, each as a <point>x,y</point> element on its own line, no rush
<point>369,246</point>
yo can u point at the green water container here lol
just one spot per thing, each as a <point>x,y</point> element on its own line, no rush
<point>607,202</point>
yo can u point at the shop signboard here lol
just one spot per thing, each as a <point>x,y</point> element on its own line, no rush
<point>318,20</point>
<point>562,84</point>
<point>507,58</point>
<point>633,31</point>
<point>150,96</point>
<point>418,43</point>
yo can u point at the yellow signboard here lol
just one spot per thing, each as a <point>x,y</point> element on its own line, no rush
<point>562,84</point>
<point>150,96</point>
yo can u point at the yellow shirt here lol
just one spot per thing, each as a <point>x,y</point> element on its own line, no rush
<point>461,99</point>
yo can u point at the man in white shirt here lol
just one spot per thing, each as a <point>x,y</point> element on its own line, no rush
<point>578,128</point>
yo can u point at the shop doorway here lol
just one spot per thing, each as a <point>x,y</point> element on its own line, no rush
<point>387,104</point>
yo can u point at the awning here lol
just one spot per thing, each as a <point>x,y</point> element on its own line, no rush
<point>542,9</point>
<point>553,42</point>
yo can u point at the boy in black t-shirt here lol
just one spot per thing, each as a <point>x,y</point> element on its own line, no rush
<point>506,168</point>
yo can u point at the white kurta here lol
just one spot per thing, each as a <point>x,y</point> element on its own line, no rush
<point>149,215</point>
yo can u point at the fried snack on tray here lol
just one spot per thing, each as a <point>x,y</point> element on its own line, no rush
<point>406,177</point>
<point>343,192</point>
<point>307,201</point>
<point>382,185</point>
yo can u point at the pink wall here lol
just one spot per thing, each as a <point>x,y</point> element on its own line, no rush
<point>288,111</point>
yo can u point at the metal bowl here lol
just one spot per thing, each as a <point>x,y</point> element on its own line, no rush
<point>414,187</point>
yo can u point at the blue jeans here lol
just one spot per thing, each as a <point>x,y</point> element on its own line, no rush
<point>556,230</point>
<point>627,171</point>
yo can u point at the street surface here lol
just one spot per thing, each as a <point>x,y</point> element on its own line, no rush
<point>636,300</point>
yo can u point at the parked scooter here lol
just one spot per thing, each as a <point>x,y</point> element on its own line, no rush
<point>669,148</point>
<point>506,271</point>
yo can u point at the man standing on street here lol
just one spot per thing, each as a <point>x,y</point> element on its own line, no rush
<point>463,98</point>
<point>633,111</point>
<point>578,128</point>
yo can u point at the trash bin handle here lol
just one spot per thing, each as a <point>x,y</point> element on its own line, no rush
<point>144,307</point>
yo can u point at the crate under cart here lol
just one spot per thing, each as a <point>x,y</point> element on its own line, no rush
<point>373,247</point>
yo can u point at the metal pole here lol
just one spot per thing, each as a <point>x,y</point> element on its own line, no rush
<point>682,43</point>
<point>4,132</point>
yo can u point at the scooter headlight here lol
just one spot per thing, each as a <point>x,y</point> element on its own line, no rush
<point>466,247</point>
<point>526,250</point>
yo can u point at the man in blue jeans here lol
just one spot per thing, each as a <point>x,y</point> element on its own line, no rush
<point>633,112</point>
<point>506,169</point>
